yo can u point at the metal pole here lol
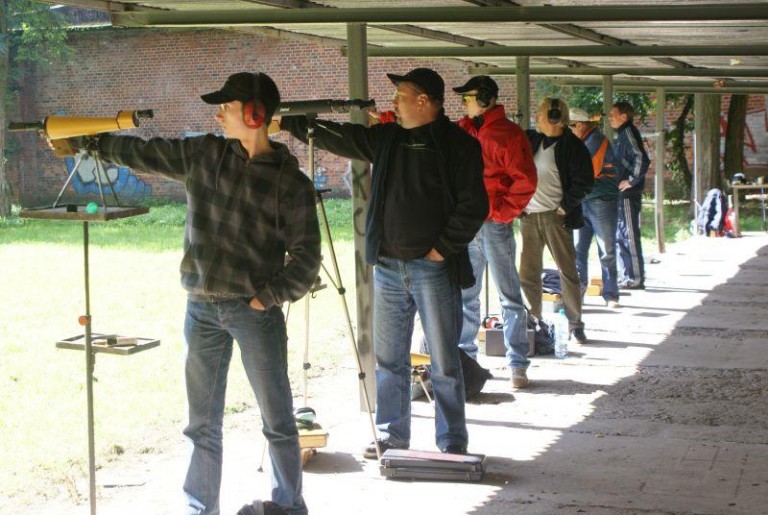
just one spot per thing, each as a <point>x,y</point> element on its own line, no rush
<point>575,71</point>
<point>89,366</point>
<point>519,14</point>
<point>607,104</point>
<point>661,101</point>
<point>523,93</point>
<point>569,51</point>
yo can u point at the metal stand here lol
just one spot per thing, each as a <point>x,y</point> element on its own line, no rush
<point>335,279</point>
<point>85,342</point>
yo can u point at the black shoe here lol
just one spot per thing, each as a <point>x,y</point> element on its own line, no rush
<point>579,336</point>
<point>629,285</point>
<point>454,448</point>
<point>259,508</point>
<point>369,452</point>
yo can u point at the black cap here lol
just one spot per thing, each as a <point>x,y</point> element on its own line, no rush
<point>246,87</point>
<point>480,82</point>
<point>428,80</point>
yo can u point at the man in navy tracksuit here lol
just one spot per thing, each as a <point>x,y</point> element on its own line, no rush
<point>631,153</point>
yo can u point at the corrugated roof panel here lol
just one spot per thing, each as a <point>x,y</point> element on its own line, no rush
<point>563,35</point>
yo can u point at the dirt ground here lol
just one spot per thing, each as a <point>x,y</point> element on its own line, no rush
<point>664,412</point>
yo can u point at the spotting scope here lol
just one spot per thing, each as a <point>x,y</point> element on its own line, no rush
<point>57,128</point>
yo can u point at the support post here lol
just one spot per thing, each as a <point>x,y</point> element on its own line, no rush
<point>607,103</point>
<point>523,92</point>
<point>661,101</point>
<point>357,66</point>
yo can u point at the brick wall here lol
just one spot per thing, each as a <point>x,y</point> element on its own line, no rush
<point>167,70</point>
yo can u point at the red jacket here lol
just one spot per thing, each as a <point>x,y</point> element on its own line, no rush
<point>510,173</point>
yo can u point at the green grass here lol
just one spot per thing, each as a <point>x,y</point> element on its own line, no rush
<point>139,399</point>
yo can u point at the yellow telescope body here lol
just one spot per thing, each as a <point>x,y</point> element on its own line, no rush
<point>63,127</point>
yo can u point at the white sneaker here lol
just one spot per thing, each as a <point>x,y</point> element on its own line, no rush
<point>519,378</point>
<point>612,304</point>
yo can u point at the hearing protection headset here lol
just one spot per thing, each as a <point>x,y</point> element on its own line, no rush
<point>253,110</point>
<point>484,96</point>
<point>554,114</point>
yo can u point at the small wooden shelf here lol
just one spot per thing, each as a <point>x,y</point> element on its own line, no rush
<point>78,343</point>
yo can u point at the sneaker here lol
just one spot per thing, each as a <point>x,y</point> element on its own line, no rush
<point>612,304</point>
<point>519,378</point>
<point>454,448</point>
<point>369,452</point>
<point>579,336</point>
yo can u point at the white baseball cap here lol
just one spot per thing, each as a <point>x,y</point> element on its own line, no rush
<point>578,115</point>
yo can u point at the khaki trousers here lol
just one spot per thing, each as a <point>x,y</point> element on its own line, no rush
<point>546,229</point>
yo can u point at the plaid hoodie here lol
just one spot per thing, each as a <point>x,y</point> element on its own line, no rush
<point>243,215</point>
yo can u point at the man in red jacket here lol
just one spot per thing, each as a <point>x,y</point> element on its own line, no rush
<point>510,181</point>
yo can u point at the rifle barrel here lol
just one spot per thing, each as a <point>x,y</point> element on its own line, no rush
<point>26,126</point>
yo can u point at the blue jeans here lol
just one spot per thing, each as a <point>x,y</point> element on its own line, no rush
<point>401,288</point>
<point>495,244</point>
<point>600,217</point>
<point>209,330</point>
<point>631,268</point>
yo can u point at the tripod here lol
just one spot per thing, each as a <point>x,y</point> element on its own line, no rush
<point>90,152</point>
<point>335,280</point>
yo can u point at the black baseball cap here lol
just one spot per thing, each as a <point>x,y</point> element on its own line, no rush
<point>245,87</point>
<point>428,80</point>
<point>478,82</point>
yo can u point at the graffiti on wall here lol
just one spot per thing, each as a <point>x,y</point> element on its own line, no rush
<point>755,137</point>
<point>119,179</point>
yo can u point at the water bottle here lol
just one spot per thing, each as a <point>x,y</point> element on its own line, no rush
<point>561,335</point>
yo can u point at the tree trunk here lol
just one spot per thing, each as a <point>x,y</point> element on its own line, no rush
<point>5,186</point>
<point>733,161</point>
<point>678,148</point>
<point>708,147</point>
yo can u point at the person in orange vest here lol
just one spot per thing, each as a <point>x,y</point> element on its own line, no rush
<point>599,207</point>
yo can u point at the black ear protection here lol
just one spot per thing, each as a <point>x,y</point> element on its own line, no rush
<point>554,114</point>
<point>253,111</point>
<point>483,96</point>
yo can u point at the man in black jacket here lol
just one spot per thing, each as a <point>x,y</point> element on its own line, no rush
<point>428,201</point>
<point>564,169</point>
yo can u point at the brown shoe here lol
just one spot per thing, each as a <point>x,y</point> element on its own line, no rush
<point>519,378</point>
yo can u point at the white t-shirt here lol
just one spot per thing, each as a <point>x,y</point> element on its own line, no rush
<point>549,191</point>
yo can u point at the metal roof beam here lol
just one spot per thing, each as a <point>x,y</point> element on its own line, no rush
<point>410,30</point>
<point>571,51</point>
<point>576,31</point>
<point>537,14</point>
<point>666,83</point>
<point>754,87</point>
<point>651,72</point>
<point>681,90</point>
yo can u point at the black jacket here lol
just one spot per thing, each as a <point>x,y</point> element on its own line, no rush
<point>456,205</point>
<point>574,165</point>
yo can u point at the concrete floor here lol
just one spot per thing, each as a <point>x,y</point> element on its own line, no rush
<point>663,412</point>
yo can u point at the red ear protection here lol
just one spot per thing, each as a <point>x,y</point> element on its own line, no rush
<point>253,114</point>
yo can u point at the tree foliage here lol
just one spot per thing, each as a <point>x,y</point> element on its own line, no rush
<point>30,33</point>
<point>591,98</point>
